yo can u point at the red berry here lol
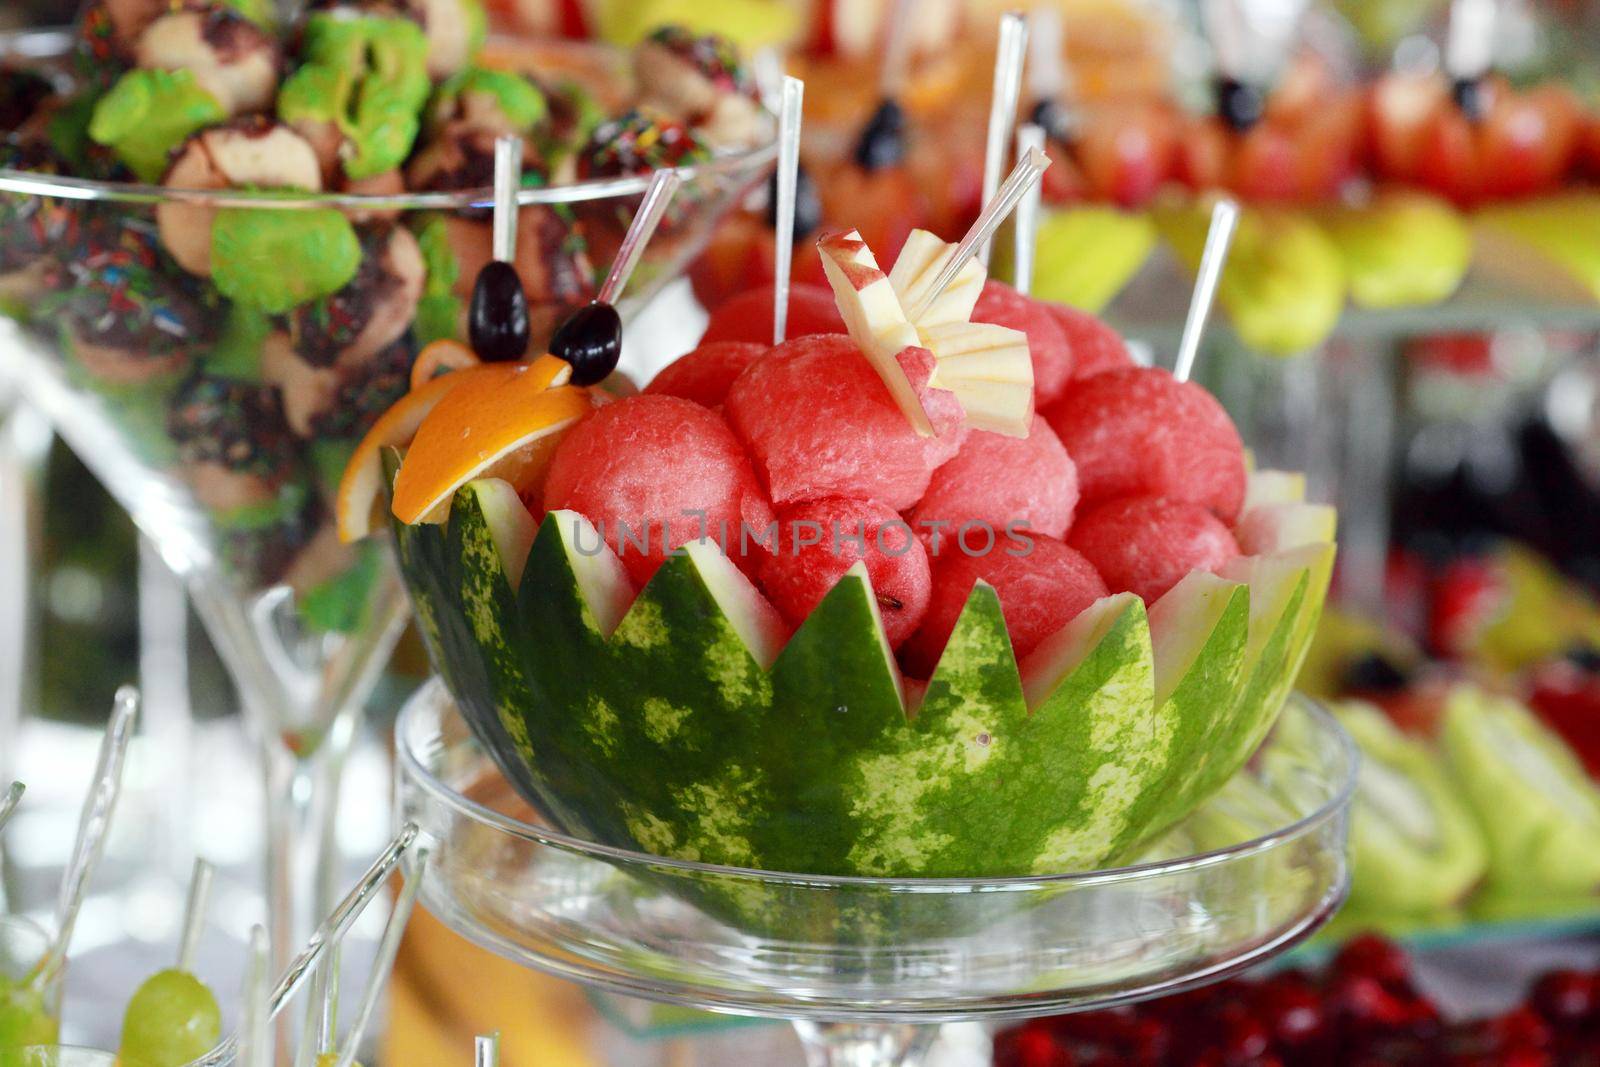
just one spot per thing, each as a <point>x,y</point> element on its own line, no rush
<point>1291,1009</point>
<point>1566,998</point>
<point>1520,1028</point>
<point>1363,1000</point>
<point>1030,1046</point>
<point>1374,957</point>
<point>1244,1038</point>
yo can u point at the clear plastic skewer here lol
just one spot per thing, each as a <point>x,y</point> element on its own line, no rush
<point>194,914</point>
<point>1024,175</point>
<point>1008,62</point>
<point>651,210</point>
<point>1224,218</point>
<point>507,184</point>
<point>94,826</point>
<point>789,120</point>
<point>9,802</point>
<point>255,1043</point>
<point>896,49</point>
<point>383,962</point>
<point>486,1050</point>
<point>1469,40</point>
<point>1030,139</point>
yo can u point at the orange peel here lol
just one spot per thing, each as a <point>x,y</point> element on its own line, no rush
<point>441,356</point>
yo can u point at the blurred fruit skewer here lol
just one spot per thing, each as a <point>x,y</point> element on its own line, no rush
<point>173,1018</point>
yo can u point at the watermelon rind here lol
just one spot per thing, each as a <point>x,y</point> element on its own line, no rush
<point>685,725</point>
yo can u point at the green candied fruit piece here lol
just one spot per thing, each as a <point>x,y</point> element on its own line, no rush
<point>519,99</point>
<point>147,113</point>
<point>439,311</point>
<point>24,1018</point>
<point>278,260</point>
<point>172,1020</point>
<point>259,12</point>
<point>367,75</point>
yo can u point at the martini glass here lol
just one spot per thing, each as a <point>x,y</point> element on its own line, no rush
<point>168,393</point>
<point>867,969</point>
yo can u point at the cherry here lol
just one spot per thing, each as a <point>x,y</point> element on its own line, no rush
<point>1055,118</point>
<point>1292,1010</point>
<point>1244,1039</point>
<point>497,321</point>
<point>1520,1028</point>
<point>1371,956</point>
<point>883,138</point>
<point>1030,1046</point>
<point>590,340</point>
<point>1362,999</point>
<point>1472,96</point>
<point>1566,998</point>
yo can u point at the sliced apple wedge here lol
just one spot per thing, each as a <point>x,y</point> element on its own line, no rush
<point>874,317</point>
<point>914,273</point>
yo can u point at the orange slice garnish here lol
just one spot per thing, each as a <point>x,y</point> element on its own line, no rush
<point>363,475</point>
<point>488,427</point>
<point>438,357</point>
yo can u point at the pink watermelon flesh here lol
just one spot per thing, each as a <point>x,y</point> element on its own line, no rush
<point>653,464</point>
<point>1141,432</point>
<point>704,374</point>
<point>1000,481</point>
<point>748,316</point>
<point>819,422</point>
<point>821,539</point>
<point>1040,592</point>
<point>1095,347</point>
<point>1052,358</point>
<point>1146,545</point>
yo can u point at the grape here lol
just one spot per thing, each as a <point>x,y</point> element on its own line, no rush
<point>24,1019</point>
<point>171,1020</point>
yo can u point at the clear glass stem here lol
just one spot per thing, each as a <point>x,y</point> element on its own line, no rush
<point>865,1044</point>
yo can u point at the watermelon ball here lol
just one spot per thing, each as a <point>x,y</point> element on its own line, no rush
<point>705,374</point>
<point>821,539</point>
<point>1141,432</point>
<point>1095,346</point>
<point>1146,545</point>
<point>1004,482</point>
<point>819,422</point>
<point>643,470</point>
<point>1040,592</point>
<point>748,317</point>
<point>1052,357</point>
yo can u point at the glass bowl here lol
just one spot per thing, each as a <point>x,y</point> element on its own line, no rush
<point>831,950</point>
<point>30,1008</point>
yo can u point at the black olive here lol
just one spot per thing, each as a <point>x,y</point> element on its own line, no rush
<point>1373,673</point>
<point>1471,96</point>
<point>1240,104</point>
<point>1585,657</point>
<point>497,322</point>
<point>1055,118</point>
<point>591,340</point>
<point>883,139</point>
<point>807,205</point>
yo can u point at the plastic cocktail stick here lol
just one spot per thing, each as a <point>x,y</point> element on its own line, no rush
<point>1046,68</point>
<point>1469,41</point>
<point>321,1021</point>
<point>194,913</point>
<point>94,826</point>
<point>486,1050</point>
<point>9,802</point>
<point>256,1033</point>
<point>896,49</point>
<point>1008,62</point>
<point>789,119</point>
<point>383,962</point>
<point>1023,176</point>
<point>663,185</point>
<point>1030,139</point>
<point>1224,218</point>
<point>507,183</point>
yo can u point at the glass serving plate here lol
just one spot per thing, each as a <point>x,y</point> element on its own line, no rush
<point>223,431</point>
<point>868,968</point>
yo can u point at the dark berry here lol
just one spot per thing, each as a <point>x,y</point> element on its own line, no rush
<point>883,139</point>
<point>591,340</point>
<point>1240,104</point>
<point>1373,673</point>
<point>1471,96</point>
<point>1585,657</point>
<point>1374,957</point>
<point>1566,998</point>
<point>807,205</point>
<point>1055,118</point>
<point>497,322</point>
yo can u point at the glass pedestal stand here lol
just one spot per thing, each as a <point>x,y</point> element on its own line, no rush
<point>867,969</point>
